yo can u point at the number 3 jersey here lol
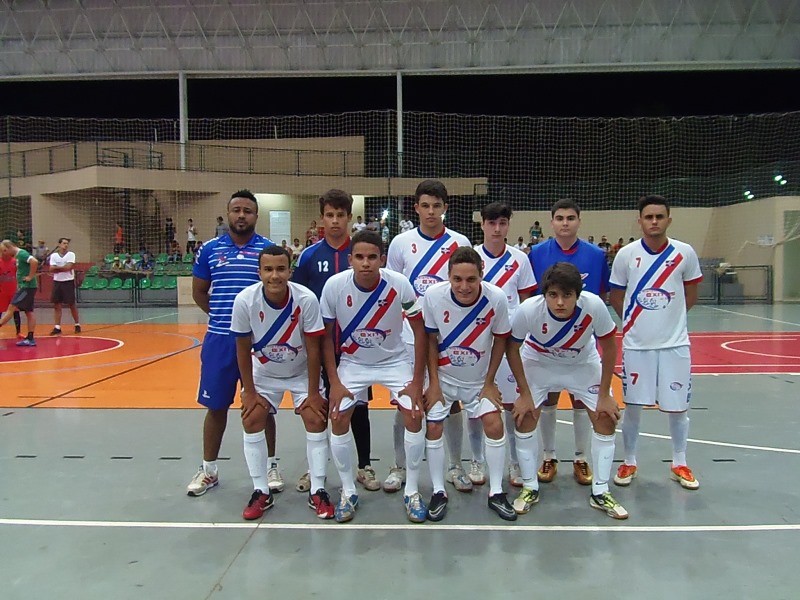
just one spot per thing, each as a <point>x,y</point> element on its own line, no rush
<point>371,321</point>
<point>466,333</point>
<point>545,337</point>
<point>654,309</point>
<point>277,331</point>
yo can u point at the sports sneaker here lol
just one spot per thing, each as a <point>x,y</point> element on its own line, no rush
<point>457,476</point>
<point>625,474</point>
<point>346,509</point>
<point>258,505</point>
<point>415,508</point>
<point>56,331</point>
<point>525,501</point>
<point>368,479</point>
<point>514,475</point>
<point>304,483</point>
<point>547,472</point>
<point>499,504</point>
<point>582,472</point>
<point>321,503</point>
<point>275,480</point>
<point>437,507</point>
<point>395,480</point>
<point>201,482</point>
<point>77,328</point>
<point>606,502</point>
<point>26,342</point>
<point>685,477</point>
<point>477,472</point>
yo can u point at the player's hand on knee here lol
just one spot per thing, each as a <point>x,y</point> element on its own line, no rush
<point>252,401</point>
<point>491,392</point>
<point>338,393</point>
<point>414,391</point>
<point>433,395</point>
<point>607,406</point>
<point>316,405</point>
<point>522,408</point>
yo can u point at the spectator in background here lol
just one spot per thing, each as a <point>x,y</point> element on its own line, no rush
<point>129,264</point>
<point>175,255</point>
<point>373,225</point>
<point>41,252</point>
<point>630,240</point>
<point>62,266</point>
<point>197,249</point>
<point>614,249</point>
<point>191,238</point>
<point>536,232</point>
<point>22,301</point>
<point>604,245</point>
<point>8,286</point>
<point>359,225</point>
<point>119,238</point>
<point>312,234</point>
<point>116,265</point>
<point>590,239</point>
<point>520,245</point>
<point>406,224</point>
<point>222,227</point>
<point>169,235</point>
<point>297,248</point>
<point>286,248</point>
<point>146,263</point>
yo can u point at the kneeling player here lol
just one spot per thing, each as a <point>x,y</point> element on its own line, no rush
<point>279,329</point>
<point>559,352</point>
<point>364,308</point>
<point>467,324</point>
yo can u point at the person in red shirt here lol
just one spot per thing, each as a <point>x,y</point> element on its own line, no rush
<point>8,286</point>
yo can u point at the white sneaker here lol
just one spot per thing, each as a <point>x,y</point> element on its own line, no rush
<point>275,480</point>
<point>514,475</point>
<point>395,480</point>
<point>201,482</point>
<point>457,476</point>
<point>477,472</point>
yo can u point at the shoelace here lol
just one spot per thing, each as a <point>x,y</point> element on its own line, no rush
<point>323,497</point>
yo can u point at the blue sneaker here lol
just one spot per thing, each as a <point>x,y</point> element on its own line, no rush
<point>346,508</point>
<point>26,342</point>
<point>416,508</point>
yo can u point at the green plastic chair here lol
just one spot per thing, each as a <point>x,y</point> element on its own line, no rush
<point>186,269</point>
<point>157,284</point>
<point>115,284</point>
<point>162,258</point>
<point>171,283</point>
<point>144,283</point>
<point>93,270</point>
<point>188,258</point>
<point>159,270</point>
<point>128,284</point>
<point>109,259</point>
<point>88,283</point>
<point>101,283</point>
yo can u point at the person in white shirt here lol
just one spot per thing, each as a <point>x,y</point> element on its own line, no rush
<point>557,333</point>
<point>520,245</point>
<point>359,225</point>
<point>653,285</point>
<point>297,248</point>
<point>62,266</point>
<point>406,224</point>
<point>191,238</point>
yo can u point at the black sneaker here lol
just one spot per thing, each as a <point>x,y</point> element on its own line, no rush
<point>56,331</point>
<point>437,508</point>
<point>77,328</point>
<point>499,504</point>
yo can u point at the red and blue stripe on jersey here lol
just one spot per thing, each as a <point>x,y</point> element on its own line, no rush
<point>577,329</point>
<point>374,300</point>
<point>281,330</point>
<point>589,259</point>
<point>435,258</point>
<point>469,329</point>
<point>502,271</point>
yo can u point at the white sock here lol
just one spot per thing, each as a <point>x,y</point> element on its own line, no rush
<point>454,436</point>
<point>255,455</point>
<point>679,430</point>
<point>582,428</point>
<point>475,434</point>
<point>631,421</point>
<point>528,453</point>
<point>57,327</point>
<point>602,459</point>
<point>210,466</point>
<point>398,433</point>
<point>508,419</point>
<point>317,456</point>
<point>547,431</point>
<point>495,459</point>
<point>435,453</point>
<point>415,449</point>
<point>342,448</point>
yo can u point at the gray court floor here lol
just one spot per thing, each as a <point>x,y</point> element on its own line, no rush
<point>93,505</point>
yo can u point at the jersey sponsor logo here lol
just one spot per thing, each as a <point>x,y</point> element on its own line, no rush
<point>278,353</point>
<point>675,386</point>
<point>595,389</point>
<point>423,282</point>
<point>564,353</point>
<point>369,338</point>
<point>653,298</point>
<point>462,356</point>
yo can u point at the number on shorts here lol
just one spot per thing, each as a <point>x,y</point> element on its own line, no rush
<point>634,378</point>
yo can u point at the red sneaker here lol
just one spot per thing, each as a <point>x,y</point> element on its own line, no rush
<point>685,477</point>
<point>625,474</point>
<point>258,505</point>
<point>321,503</point>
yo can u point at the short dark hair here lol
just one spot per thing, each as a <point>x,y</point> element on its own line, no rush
<point>367,236</point>
<point>336,199</point>
<point>566,204</point>
<point>563,275</point>
<point>274,250</point>
<point>62,239</point>
<point>431,187</point>
<point>465,255</point>
<point>246,194</point>
<point>494,211</point>
<point>652,199</point>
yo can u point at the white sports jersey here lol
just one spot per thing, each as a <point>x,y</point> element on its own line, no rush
<point>371,321</point>
<point>511,272</point>
<point>545,337</point>
<point>277,331</point>
<point>466,333</point>
<point>654,310</point>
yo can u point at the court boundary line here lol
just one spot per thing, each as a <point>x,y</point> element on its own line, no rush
<point>727,347</point>
<point>734,312</point>
<point>120,344</point>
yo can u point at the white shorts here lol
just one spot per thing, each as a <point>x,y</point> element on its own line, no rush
<point>662,377</point>
<point>392,375</point>
<point>475,406</point>
<point>272,389</point>
<point>581,380</point>
<point>507,384</point>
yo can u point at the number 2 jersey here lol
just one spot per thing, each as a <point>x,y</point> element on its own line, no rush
<point>654,309</point>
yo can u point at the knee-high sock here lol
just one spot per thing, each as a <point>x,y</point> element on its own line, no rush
<point>17,321</point>
<point>361,433</point>
<point>415,449</point>
<point>495,460</point>
<point>582,428</point>
<point>508,419</point>
<point>435,453</point>
<point>255,455</point>
<point>398,437</point>
<point>454,436</point>
<point>342,451</point>
<point>475,433</point>
<point>631,421</point>
<point>547,431</point>
<point>602,459</point>
<point>317,456</point>
<point>679,430</point>
<point>528,454</point>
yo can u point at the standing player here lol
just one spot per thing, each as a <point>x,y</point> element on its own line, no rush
<point>8,286</point>
<point>591,262</point>
<point>225,267</point>
<point>22,300</point>
<point>509,269</point>
<point>366,305</point>
<point>466,320</point>
<point>654,284</point>
<point>62,264</point>
<point>421,254</point>
<point>558,331</point>
<point>278,328</point>
<point>318,263</point>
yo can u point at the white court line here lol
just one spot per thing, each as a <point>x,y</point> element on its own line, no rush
<point>172,314</point>
<point>747,334</point>
<point>748,372</point>
<point>733,312</point>
<point>400,526</point>
<point>727,346</point>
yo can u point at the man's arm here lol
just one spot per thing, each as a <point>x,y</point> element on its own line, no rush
<point>690,289</point>
<point>490,389</point>
<point>314,402</point>
<point>605,403</point>
<point>414,389</point>
<point>617,297</point>
<point>200,293</point>
<point>250,398</point>
<point>34,267</point>
<point>434,392</point>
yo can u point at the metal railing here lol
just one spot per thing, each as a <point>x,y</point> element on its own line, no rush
<point>737,284</point>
